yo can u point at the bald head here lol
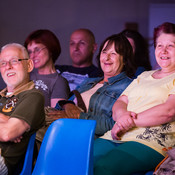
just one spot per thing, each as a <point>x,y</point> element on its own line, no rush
<point>82,47</point>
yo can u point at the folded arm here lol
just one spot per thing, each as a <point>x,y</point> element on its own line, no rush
<point>12,128</point>
<point>157,115</point>
<point>124,119</point>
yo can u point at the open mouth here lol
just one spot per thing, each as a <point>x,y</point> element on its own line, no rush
<point>11,74</point>
<point>164,58</point>
<point>35,61</point>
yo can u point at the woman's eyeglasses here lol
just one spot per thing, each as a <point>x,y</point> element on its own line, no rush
<point>36,51</point>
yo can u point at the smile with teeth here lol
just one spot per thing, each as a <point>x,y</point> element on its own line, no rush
<point>164,58</point>
<point>10,74</point>
<point>35,61</point>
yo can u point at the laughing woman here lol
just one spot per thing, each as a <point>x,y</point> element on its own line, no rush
<point>144,115</point>
<point>99,94</point>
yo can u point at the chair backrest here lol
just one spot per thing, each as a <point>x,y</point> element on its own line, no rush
<point>28,161</point>
<point>67,148</point>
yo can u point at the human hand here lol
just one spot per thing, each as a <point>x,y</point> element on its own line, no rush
<point>126,121</point>
<point>72,111</point>
<point>116,132</point>
<point>123,124</point>
<point>17,140</point>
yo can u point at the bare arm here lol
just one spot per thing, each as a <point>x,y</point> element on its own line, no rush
<point>124,119</point>
<point>3,118</point>
<point>120,113</point>
<point>160,114</point>
<point>120,107</point>
<point>157,115</point>
<point>12,129</point>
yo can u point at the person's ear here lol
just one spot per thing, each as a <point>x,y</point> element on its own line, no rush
<point>30,65</point>
<point>94,47</point>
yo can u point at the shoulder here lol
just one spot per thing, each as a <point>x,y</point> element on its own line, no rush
<point>94,71</point>
<point>61,81</point>
<point>32,93</point>
<point>146,74</point>
<point>92,80</point>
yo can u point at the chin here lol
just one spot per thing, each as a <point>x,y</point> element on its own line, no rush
<point>37,66</point>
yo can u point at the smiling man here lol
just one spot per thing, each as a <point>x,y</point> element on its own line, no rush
<point>21,106</point>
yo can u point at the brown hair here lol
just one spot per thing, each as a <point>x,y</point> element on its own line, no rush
<point>122,47</point>
<point>47,38</point>
<point>141,55</point>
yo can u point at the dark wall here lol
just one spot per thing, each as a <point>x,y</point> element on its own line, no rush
<point>104,17</point>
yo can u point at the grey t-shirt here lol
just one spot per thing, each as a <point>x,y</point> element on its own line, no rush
<point>51,85</point>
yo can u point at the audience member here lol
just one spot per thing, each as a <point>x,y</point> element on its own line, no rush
<point>140,49</point>
<point>99,94</point>
<point>21,107</point>
<point>44,49</point>
<point>144,115</point>
<point>82,47</point>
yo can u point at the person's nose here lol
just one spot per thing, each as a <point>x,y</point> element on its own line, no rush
<point>108,57</point>
<point>9,65</point>
<point>76,46</point>
<point>164,49</point>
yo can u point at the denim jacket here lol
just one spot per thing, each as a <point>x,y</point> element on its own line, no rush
<point>101,102</point>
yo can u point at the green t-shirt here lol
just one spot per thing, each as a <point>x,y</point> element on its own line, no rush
<point>27,105</point>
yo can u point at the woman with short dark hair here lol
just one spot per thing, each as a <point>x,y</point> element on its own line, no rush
<point>44,48</point>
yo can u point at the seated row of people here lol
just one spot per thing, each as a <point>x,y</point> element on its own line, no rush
<point>143,116</point>
<point>44,48</point>
<point>82,48</point>
<point>118,66</point>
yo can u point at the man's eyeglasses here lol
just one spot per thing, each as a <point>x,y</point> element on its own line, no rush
<point>13,61</point>
<point>36,51</point>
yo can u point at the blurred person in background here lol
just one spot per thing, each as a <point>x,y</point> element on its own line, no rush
<point>82,47</point>
<point>44,49</point>
<point>140,49</point>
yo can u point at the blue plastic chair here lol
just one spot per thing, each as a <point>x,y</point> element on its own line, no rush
<point>67,148</point>
<point>28,161</point>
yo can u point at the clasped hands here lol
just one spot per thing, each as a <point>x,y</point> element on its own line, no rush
<point>123,123</point>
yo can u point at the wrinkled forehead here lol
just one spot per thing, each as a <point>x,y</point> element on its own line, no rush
<point>11,52</point>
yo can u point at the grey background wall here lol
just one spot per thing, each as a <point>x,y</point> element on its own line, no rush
<point>104,17</point>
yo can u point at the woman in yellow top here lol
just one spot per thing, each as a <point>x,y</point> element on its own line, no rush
<point>144,115</point>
